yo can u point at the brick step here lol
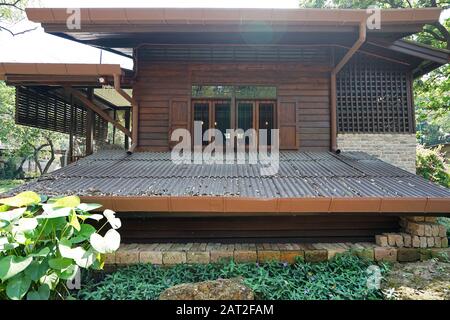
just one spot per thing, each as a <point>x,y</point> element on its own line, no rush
<point>176,253</point>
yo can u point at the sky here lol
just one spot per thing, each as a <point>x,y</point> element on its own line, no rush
<point>37,46</point>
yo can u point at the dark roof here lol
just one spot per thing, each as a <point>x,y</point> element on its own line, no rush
<point>121,29</point>
<point>301,174</point>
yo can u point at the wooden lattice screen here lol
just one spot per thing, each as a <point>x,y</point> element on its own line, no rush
<point>38,107</point>
<point>373,96</point>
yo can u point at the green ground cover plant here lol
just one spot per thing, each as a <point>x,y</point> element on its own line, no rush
<point>344,277</point>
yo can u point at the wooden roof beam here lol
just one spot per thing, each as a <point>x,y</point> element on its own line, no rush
<point>135,112</point>
<point>94,107</point>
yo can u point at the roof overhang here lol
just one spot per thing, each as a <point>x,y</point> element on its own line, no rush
<point>120,29</point>
<point>57,73</point>
<point>209,16</point>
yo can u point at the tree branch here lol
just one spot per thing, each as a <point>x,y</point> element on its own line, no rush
<point>52,157</point>
<point>435,35</point>
<point>14,5</point>
<point>18,33</point>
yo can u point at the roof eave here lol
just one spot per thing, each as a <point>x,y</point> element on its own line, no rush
<point>205,16</point>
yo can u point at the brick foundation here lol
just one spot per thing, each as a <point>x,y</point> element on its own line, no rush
<point>397,149</point>
<point>417,232</point>
<point>170,254</point>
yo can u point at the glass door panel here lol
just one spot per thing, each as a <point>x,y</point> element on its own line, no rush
<point>245,115</point>
<point>201,113</point>
<point>266,118</point>
<point>222,117</point>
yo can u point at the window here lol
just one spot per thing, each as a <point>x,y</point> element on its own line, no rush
<point>240,92</point>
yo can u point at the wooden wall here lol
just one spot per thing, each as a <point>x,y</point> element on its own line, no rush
<point>322,228</point>
<point>163,92</point>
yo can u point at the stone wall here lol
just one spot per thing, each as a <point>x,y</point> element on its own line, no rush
<point>397,149</point>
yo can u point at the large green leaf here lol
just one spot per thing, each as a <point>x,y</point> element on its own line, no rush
<point>43,293</point>
<point>17,287</point>
<point>60,263</point>
<point>69,273</point>
<point>67,202</point>
<point>22,199</point>
<point>37,269</point>
<point>84,233</point>
<point>13,265</point>
<point>41,253</point>
<point>52,224</point>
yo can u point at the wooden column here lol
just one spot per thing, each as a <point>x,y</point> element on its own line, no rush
<point>90,119</point>
<point>127,125</point>
<point>71,128</point>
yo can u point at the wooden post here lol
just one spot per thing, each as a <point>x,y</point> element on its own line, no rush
<point>90,118</point>
<point>114,128</point>
<point>127,125</point>
<point>72,114</point>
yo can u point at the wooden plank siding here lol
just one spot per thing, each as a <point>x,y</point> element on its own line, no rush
<point>326,228</point>
<point>159,84</point>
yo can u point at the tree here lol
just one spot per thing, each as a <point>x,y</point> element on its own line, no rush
<point>11,11</point>
<point>436,31</point>
<point>25,142</point>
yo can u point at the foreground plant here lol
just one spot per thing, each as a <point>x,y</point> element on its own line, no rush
<point>44,242</point>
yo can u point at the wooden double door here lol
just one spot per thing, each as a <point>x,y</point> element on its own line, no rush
<point>235,114</point>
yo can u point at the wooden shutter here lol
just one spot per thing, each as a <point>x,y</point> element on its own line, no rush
<point>287,122</point>
<point>179,116</point>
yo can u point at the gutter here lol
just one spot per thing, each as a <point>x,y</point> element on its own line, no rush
<point>275,206</point>
<point>135,110</point>
<point>334,72</point>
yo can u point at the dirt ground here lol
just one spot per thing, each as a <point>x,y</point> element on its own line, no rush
<point>427,280</point>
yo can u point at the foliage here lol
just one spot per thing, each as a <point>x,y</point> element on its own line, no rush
<point>432,99</point>
<point>445,222</point>
<point>9,169</point>
<point>44,242</point>
<point>345,277</point>
<point>6,185</point>
<point>12,11</point>
<point>431,165</point>
<point>25,142</point>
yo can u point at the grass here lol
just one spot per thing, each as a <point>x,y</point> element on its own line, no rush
<point>345,277</point>
<point>6,185</point>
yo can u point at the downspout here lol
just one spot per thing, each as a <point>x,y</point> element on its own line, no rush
<point>334,72</point>
<point>135,110</point>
